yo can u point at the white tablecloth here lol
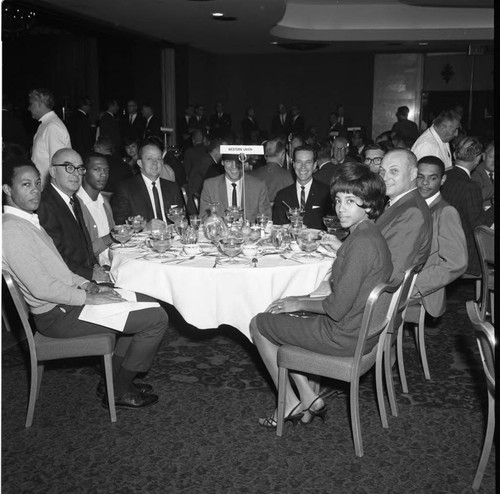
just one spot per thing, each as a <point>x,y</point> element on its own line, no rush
<point>207,297</point>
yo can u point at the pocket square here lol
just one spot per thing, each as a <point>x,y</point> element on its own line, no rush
<point>315,207</point>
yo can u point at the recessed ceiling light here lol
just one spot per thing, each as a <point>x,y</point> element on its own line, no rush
<point>217,14</point>
<point>423,43</point>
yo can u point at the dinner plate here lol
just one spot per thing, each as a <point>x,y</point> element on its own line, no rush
<point>168,256</point>
<point>224,262</point>
<point>302,257</point>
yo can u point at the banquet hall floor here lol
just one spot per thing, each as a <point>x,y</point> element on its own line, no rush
<point>203,435</point>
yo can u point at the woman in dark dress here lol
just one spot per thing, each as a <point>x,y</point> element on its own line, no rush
<point>363,261</point>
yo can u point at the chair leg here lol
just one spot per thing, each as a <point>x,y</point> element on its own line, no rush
<point>108,370</point>
<point>488,441</point>
<point>282,376</point>
<point>492,307</point>
<point>355,422</point>
<point>39,383</point>
<point>34,390</point>
<point>389,383</point>
<point>421,343</point>
<point>380,393</point>
<point>478,289</point>
<point>401,363</point>
<point>5,320</point>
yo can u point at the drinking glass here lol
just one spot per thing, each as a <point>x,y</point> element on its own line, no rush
<point>277,234</point>
<point>231,245</point>
<point>180,226</point>
<point>255,233</point>
<point>195,221</point>
<point>334,227</point>
<point>161,243</point>
<point>138,223</point>
<point>189,236</point>
<point>122,233</point>
<point>295,228</point>
<point>261,220</point>
<point>309,241</point>
<point>294,214</point>
<point>175,213</point>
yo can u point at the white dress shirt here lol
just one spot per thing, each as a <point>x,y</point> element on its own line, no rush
<point>51,136</point>
<point>430,144</point>
<point>149,186</point>
<point>229,190</point>
<point>307,188</point>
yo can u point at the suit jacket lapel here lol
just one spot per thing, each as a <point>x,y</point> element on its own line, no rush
<point>143,193</point>
<point>223,193</point>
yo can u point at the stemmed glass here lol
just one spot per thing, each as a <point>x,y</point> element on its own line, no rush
<point>261,220</point>
<point>294,214</point>
<point>295,228</point>
<point>161,243</point>
<point>231,245</point>
<point>122,233</point>
<point>138,223</point>
<point>308,242</point>
<point>195,221</point>
<point>334,227</point>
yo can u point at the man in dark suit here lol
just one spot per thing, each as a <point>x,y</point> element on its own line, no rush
<point>343,122</point>
<point>464,194</point>
<point>133,124</point>
<point>146,194</point>
<point>309,194</point>
<point>297,124</point>
<point>80,130</point>
<point>199,120</point>
<point>280,124</point>
<point>220,122</point>
<point>484,175</point>
<point>406,223</point>
<point>109,125</point>
<point>249,126</point>
<point>152,125</point>
<point>60,213</point>
<point>326,168</point>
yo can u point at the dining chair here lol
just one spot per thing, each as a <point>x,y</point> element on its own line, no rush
<point>43,348</point>
<point>485,241</point>
<point>376,318</point>
<point>395,338</point>
<point>485,337</point>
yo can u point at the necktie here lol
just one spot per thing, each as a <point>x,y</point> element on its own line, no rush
<point>131,119</point>
<point>492,177</point>
<point>75,205</point>
<point>235,198</point>
<point>303,197</point>
<point>156,197</point>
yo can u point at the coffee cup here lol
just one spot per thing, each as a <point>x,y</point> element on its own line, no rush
<point>191,249</point>
<point>250,250</point>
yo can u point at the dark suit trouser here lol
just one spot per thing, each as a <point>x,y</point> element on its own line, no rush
<point>138,344</point>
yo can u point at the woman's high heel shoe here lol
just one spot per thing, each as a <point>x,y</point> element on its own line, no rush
<point>315,413</point>
<point>271,422</point>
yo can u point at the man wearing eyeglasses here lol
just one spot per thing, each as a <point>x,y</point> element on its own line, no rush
<point>60,214</point>
<point>372,157</point>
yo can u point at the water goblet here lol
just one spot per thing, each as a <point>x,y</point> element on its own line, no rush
<point>295,214</point>
<point>175,213</point>
<point>161,243</point>
<point>189,236</point>
<point>295,228</point>
<point>231,245</point>
<point>308,242</point>
<point>195,221</point>
<point>277,234</point>
<point>334,227</point>
<point>261,220</point>
<point>122,233</point>
<point>180,226</point>
<point>138,223</point>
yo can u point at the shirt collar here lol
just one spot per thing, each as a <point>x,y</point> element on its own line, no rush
<point>397,198</point>
<point>64,196</point>
<point>149,182</point>
<point>31,217</point>
<point>45,117</point>
<point>431,199</point>
<point>464,169</point>
<point>86,199</point>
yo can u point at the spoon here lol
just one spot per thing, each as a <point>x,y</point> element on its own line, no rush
<point>255,261</point>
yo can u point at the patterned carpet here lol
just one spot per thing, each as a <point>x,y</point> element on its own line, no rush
<point>203,436</point>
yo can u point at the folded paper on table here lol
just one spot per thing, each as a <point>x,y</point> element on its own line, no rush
<point>115,315</point>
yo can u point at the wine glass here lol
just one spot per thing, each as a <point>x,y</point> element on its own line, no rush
<point>231,245</point>
<point>189,236</point>
<point>308,242</point>
<point>334,227</point>
<point>122,233</point>
<point>294,214</point>
<point>277,234</point>
<point>195,221</point>
<point>161,243</point>
<point>261,220</point>
<point>180,226</point>
<point>228,217</point>
<point>295,228</point>
<point>138,223</point>
<point>175,213</point>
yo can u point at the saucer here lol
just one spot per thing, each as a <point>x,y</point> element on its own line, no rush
<point>303,257</point>
<point>154,257</point>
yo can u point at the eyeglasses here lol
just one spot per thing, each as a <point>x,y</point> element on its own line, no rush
<point>375,161</point>
<point>70,168</point>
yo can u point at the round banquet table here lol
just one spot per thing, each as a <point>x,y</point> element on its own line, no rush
<point>207,297</point>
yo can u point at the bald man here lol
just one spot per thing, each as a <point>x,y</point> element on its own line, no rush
<point>406,223</point>
<point>60,214</point>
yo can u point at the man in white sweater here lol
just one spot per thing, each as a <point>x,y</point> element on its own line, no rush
<point>56,296</point>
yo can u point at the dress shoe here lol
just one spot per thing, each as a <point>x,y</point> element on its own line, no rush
<point>139,387</point>
<point>320,412</point>
<point>271,422</point>
<point>132,400</point>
